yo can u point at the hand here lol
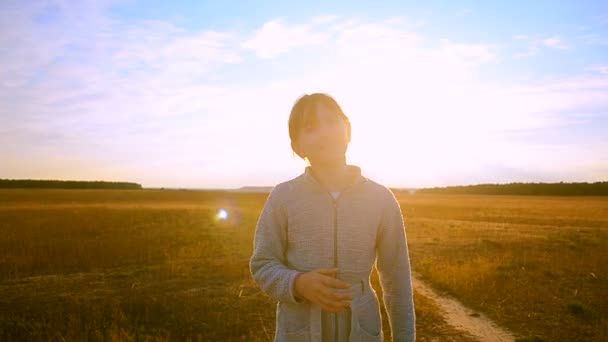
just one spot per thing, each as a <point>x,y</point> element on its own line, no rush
<point>318,287</point>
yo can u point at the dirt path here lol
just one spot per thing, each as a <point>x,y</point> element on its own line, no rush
<point>463,318</point>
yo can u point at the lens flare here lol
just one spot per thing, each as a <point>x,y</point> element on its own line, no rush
<point>222,214</point>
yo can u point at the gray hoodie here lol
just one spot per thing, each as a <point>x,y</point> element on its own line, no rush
<point>302,228</point>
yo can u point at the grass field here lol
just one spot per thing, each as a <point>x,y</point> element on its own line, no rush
<point>158,265</point>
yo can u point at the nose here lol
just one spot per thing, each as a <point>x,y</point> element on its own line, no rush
<point>326,132</point>
<point>327,138</point>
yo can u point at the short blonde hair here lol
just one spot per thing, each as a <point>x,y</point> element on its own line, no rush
<point>304,110</point>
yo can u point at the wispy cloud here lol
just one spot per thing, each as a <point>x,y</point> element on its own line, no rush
<point>602,69</point>
<point>476,53</point>
<point>594,39</point>
<point>536,43</point>
<point>554,42</point>
<point>275,38</point>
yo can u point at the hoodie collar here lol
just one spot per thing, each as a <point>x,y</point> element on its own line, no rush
<point>354,175</point>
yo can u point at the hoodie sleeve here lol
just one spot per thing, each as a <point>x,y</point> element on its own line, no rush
<point>268,264</point>
<point>393,265</point>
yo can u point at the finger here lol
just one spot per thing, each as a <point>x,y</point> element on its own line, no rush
<point>326,304</point>
<point>327,271</point>
<point>331,294</point>
<point>331,300</point>
<point>336,283</point>
<point>332,306</point>
<point>328,298</point>
<point>341,296</point>
<point>326,292</point>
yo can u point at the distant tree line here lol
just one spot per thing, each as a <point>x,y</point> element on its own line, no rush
<point>534,189</point>
<point>62,184</point>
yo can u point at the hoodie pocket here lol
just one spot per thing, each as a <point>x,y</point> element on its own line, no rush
<point>368,320</point>
<point>293,321</point>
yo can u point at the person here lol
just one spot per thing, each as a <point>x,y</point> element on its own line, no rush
<point>320,233</point>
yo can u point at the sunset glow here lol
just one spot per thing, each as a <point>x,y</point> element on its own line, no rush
<point>198,96</point>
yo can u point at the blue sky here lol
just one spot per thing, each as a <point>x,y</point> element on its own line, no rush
<point>197,94</point>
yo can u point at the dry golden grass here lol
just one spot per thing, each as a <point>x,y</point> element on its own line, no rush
<point>156,265</point>
<point>536,265</point>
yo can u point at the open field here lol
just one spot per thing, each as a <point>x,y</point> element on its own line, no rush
<point>157,265</point>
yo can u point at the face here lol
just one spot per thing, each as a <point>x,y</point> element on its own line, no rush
<point>323,140</point>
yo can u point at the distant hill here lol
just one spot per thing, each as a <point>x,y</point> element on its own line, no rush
<point>531,189</point>
<point>269,189</point>
<point>63,184</point>
<point>253,189</point>
<point>409,191</point>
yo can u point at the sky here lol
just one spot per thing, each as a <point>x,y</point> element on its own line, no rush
<point>197,94</point>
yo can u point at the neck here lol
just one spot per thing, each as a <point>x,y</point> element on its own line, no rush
<point>331,175</point>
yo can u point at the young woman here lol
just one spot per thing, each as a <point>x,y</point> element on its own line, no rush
<point>320,234</point>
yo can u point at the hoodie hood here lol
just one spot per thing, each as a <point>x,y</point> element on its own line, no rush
<point>353,173</point>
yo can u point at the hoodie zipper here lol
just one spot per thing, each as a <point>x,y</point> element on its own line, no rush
<point>335,203</point>
<point>336,233</point>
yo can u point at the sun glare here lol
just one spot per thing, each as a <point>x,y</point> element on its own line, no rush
<point>222,214</point>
